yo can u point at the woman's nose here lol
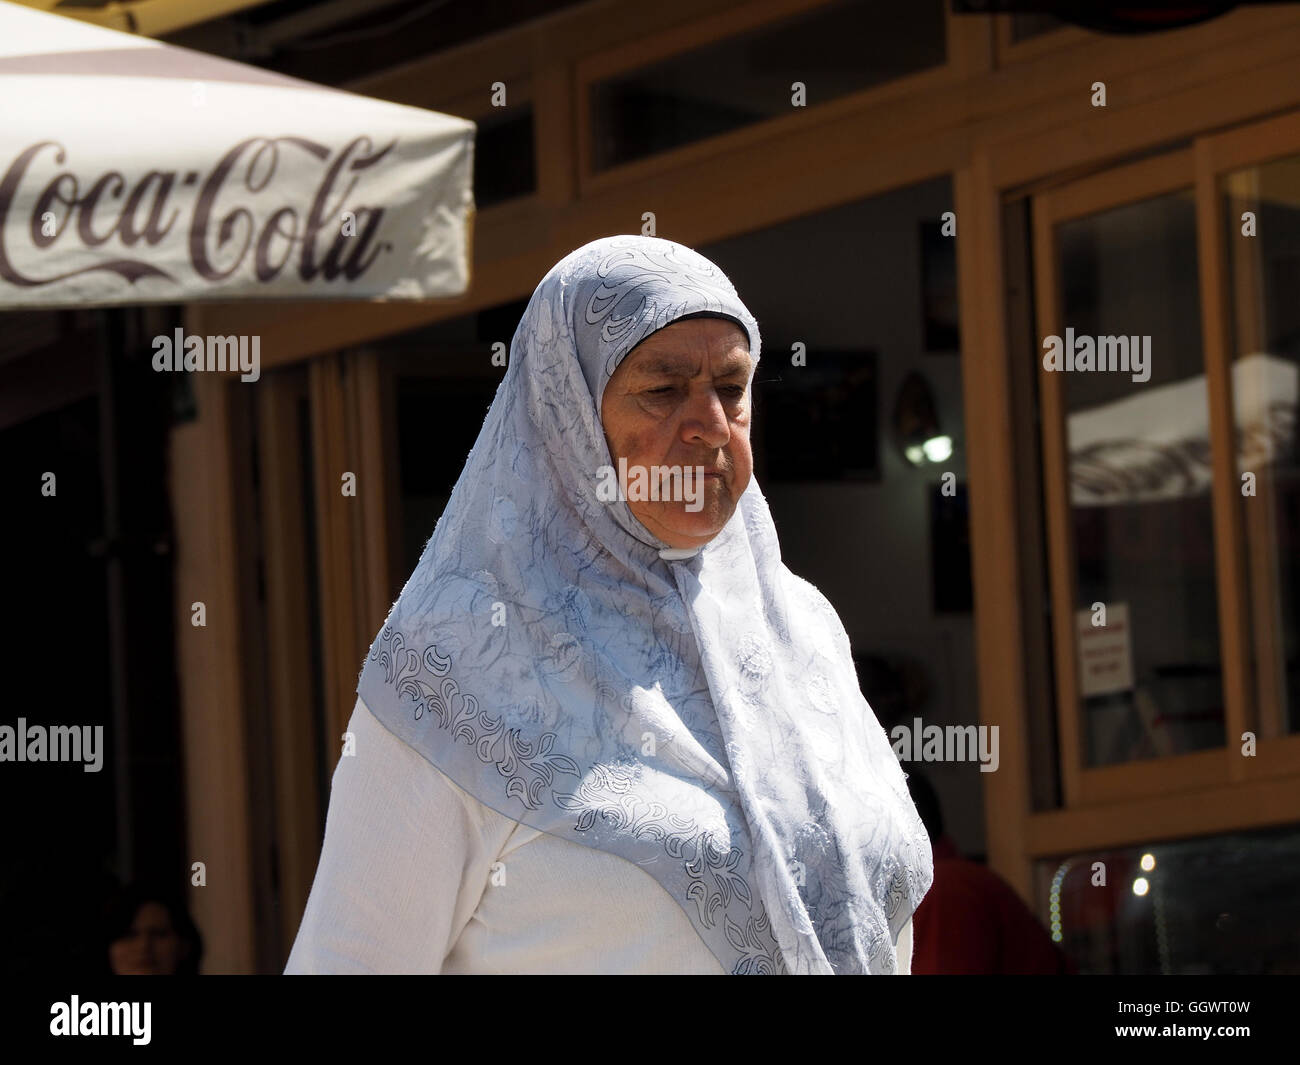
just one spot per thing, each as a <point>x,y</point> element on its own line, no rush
<point>705,420</point>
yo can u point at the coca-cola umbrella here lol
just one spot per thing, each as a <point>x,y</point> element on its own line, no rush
<point>135,172</point>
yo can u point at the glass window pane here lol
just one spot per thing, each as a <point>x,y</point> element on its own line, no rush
<point>1263,252</point>
<point>1028,26</point>
<point>1139,464</point>
<point>837,49</point>
<point>1214,905</point>
<point>505,159</point>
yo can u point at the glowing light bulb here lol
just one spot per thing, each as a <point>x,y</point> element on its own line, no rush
<point>938,448</point>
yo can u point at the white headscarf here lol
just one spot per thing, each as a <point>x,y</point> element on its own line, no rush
<point>697,715</point>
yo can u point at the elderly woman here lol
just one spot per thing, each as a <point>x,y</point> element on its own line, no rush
<point>604,729</point>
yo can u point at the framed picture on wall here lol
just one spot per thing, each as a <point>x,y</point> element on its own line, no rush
<point>940,330</point>
<point>820,422</point>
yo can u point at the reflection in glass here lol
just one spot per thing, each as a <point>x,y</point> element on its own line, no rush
<point>1221,904</point>
<point>1261,208</point>
<point>1139,467</point>
<point>834,49</point>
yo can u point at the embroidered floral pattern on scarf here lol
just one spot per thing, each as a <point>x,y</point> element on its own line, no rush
<point>700,716</point>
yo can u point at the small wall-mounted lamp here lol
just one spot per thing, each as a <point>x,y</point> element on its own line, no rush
<point>917,433</point>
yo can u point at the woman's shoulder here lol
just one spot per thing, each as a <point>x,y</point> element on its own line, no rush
<point>408,773</point>
<point>809,595</point>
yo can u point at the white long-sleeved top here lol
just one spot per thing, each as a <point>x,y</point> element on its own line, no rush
<point>418,876</point>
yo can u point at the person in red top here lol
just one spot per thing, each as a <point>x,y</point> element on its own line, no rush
<point>971,922</point>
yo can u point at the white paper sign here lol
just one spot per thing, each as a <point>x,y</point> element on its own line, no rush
<point>1105,652</point>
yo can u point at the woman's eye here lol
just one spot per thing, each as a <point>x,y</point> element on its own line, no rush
<point>735,391</point>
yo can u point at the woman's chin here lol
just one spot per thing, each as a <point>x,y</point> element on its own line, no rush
<point>683,528</point>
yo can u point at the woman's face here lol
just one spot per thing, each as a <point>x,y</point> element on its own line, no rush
<point>150,947</point>
<point>681,398</point>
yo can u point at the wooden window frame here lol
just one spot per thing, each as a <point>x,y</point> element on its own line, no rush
<point>1216,157</point>
<point>966,51</point>
<point>1217,790</point>
<point>1261,791</point>
<point>1025,118</point>
<point>1082,785</point>
<point>522,90</point>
